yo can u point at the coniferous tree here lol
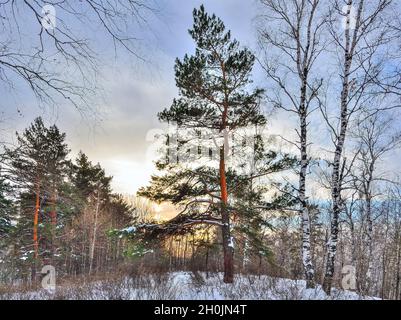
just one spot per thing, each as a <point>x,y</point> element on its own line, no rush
<point>6,210</point>
<point>93,188</point>
<point>215,95</point>
<point>62,209</point>
<point>37,168</point>
<point>87,177</point>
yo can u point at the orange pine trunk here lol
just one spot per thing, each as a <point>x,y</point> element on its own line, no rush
<point>223,182</point>
<point>36,220</point>
<point>228,250</point>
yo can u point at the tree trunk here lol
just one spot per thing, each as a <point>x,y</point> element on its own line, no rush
<point>368,243</point>
<point>92,249</point>
<point>53,216</point>
<point>207,255</point>
<point>306,232</point>
<point>228,248</point>
<point>336,178</point>
<point>398,264</point>
<point>36,219</point>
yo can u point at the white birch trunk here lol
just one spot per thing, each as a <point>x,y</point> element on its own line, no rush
<point>336,178</point>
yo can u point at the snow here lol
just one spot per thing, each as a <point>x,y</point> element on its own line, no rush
<point>129,230</point>
<point>248,287</point>
<point>188,286</point>
<point>231,243</point>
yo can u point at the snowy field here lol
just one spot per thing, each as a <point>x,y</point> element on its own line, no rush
<point>187,286</point>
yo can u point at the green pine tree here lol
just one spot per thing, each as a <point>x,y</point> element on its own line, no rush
<point>215,96</point>
<point>38,166</point>
<point>6,210</point>
<point>88,178</point>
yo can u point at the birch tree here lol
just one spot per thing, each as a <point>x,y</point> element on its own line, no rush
<point>376,137</point>
<point>358,44</point>
<point>298,43</point>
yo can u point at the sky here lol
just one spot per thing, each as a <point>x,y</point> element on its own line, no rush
<point>118,135</point>
<point>133,92</point>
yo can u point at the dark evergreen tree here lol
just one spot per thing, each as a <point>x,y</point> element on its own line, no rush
<point>61,210</point>
<point>6,210</point>
<point>215,95</point>
<point>94,190</point>
<point>88,178</point>
<point>38,167</point>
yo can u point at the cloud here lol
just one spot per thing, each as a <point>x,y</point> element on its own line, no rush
<point>118,140</point>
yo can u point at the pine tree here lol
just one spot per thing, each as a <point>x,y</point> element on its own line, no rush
<point>37,168</point>
<point>87,177</point>
<point>6,210</point>
<point>215,96</point>
<point>62,209</point>
<point>93,188</point>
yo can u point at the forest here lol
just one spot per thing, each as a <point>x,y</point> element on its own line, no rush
<point>279,159</point>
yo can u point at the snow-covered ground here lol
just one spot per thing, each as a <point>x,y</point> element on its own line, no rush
<point>188,286</point>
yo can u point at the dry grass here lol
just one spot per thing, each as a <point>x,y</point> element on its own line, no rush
<point>138,285</point>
